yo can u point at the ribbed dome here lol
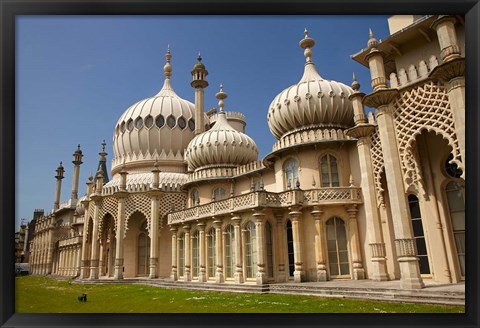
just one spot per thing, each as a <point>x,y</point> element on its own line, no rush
<point>159,127</point>
<point>222,145</point>
<point>311,103</point>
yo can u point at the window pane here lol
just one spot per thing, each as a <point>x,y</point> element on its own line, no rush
<point>423,263</point>
<point>421,246</point>
<point>417,227</point>
<point>344,269</point>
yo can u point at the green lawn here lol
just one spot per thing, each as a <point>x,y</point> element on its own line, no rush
<point>47,295</point>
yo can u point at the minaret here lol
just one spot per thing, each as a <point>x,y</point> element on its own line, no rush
<point>58,190</point>
<point>199,73</point>
<point>77,160</point>
<point>102,163</point>
<point>375,63</point>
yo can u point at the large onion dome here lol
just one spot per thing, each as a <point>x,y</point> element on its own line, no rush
<point>222,145</point>
<point>311,103</point>
<point>154,128</point>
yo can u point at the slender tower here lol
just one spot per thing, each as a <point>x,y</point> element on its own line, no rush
<point>199,73</point>
<point>77,160</point>
<point>58,190</point>
<point>102,163</point>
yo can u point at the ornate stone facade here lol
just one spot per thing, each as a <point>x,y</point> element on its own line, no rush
<point>343,194</point>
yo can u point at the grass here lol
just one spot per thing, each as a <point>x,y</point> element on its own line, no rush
<point>47,295</point>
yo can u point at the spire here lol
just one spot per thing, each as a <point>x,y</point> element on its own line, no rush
<point>221,96</point>
<point>167,69</point>
<point>102,163</point>
<point>310,72</point>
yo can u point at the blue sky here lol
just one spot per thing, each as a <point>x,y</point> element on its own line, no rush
<point>76,75</point>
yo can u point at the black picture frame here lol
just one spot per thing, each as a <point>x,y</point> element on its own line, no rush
<point>9,9</point>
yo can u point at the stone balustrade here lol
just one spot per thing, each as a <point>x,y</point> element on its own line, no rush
<point>413,74</point>
<point>323,196</point>
<point>70,241</point>
<point>222,172</point>
<point>310,136</point>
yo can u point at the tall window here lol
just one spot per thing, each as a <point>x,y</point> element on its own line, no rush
<point>211,253</point>
<point>291,173</point>
<point>456,207</point>
<point>329,171</point>
<point>218,194</point>
<point>291,257</point>
<point>269,244</point>
<point>194,198</point>
<point>337,247</point>
<point>250,250</point>
<point>418,234</point>
<point>195,254</point>
<point>181,254</point>
<point>143,250</point>
<point>229,251</point>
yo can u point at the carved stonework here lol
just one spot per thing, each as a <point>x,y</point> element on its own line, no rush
<point>378,166</point>
<point>378,250</point>
<point>449,70</point>
<point>405,247</point>
<point>361,130</point>
<point>380,97</point>
<point>423,108</point>
<point>458,82</point>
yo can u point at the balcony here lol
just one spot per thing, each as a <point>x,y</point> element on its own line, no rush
<point>260,199</point>
<point>70,241</point>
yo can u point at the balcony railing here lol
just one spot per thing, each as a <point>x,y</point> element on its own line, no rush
<point>70,241</point>
<point>324,196</point>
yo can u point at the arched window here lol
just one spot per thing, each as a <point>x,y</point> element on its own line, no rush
<point>291,173</point>
<point>291,257</point>
<point>269,244</point>
<point>218,194</point>
<point>229,251</point>
<point>337,247</point>
<point>418,234</point>
<point>329,171</point>
<point>211,253</point>
<point>194,198</point>
<point>143,251</point>
<point>195,254</point>
<point>250,250</point>
<point>181,254</point>
<point>456,208</point>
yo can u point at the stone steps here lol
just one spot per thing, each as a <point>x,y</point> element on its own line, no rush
<point>391,295</point>
<point>368,293</point>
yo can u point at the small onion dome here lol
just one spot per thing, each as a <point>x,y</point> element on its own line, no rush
<point>222,145</point>
<point>157,127</point>
<point>311,103</point>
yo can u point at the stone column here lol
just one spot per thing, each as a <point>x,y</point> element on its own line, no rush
<point>79,260</point>
<point>77,161</point>
<point>405,243</point>
<point>280,246</point>
<point>260,229</point>
<point>219,277</point>
<point>358,271</point>
<point>154,236</point>
<point>188,266</point>
<point>58,189</point>
<point>174,275</point>
<point>452,73</point>
<point>296,216</point>
<point>50,247</point>
<point>121,196</point>
<point>319,248</point>
<point>94,262</point>
<point>202,276</point>
<point>238,275</point>
<point>363,131</point>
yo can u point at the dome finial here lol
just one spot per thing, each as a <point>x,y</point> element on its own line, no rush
<point>307,43</point>
<point>355,84</point>
<point>221,96</point>
<point>167,69</point>
<point>372,42</point>
<point>199,58</point>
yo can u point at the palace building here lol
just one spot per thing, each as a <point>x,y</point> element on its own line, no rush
<point>345,193</point>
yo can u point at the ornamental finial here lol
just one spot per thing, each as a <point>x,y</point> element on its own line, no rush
<point>167,69</point>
